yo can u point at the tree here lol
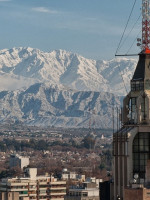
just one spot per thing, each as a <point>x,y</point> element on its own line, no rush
<point>102,166</point>
<point>89,142</point>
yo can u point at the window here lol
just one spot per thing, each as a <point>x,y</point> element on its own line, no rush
<point>84,194</point>
<point>141,86</point>
<point>141,153</point>
<point>137,86</point>
<point>133,88</point>
<point>132,109</point>
<point>143,109</point>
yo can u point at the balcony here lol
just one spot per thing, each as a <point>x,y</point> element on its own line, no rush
<point>58,188</point>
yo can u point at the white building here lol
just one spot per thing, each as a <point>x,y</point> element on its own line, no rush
<point>94,180</point>
<point>17,160</point>
<point>66,175</point>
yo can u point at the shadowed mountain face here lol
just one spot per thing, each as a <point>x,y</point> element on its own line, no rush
<point>22,67</point>
<point>44,105</point>
<point>60,88</point>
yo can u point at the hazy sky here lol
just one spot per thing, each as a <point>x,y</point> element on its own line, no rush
<point>91,28</point>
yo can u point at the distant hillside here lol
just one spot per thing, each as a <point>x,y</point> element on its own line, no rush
<point>45,105</point>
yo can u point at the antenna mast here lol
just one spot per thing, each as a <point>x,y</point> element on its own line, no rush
<point>146,26</point>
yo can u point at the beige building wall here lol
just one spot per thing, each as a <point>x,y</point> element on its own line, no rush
<point>136,194</point>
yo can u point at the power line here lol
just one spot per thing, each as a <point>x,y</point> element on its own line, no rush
<point>123,80</point>
<point>133,42</point>
<point>125,27</point>
<point>130,31</point>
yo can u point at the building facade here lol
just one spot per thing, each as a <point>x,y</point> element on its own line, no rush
<point>67,175</point>
<point>131,144</point>
<point>17,160</point>
<point>35,187</point>
<point>9,195</point>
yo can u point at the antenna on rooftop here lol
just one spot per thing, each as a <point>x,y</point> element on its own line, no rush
<point>144,43</point>
<point>146,26</point>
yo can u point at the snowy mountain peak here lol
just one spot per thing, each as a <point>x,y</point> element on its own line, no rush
<point>26,66</point>
<point>58,87</point>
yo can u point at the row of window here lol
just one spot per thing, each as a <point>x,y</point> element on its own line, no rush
<point>78,194</point>
<point>141,153</point>
<point>137,86</point>
<point>133,109</point>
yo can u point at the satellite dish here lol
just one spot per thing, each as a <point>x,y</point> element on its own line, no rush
<point>136,176</point>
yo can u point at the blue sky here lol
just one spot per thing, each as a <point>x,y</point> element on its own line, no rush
<point>91,28</point>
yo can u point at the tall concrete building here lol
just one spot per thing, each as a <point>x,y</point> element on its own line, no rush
<point>131,144</point>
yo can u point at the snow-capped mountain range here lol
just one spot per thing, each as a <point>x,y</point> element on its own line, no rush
<point>22,67</point>
<point>60,88</point>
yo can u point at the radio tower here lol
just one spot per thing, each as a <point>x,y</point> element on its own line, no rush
<point>146,26</point>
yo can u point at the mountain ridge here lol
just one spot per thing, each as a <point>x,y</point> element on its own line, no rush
<point>44,105</point>
<point>28,66</point>
<point>60,88</point>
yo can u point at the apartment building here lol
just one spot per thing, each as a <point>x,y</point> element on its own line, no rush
<point>35,187</point>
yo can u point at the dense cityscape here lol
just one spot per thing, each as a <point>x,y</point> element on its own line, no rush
<point>74,156</point>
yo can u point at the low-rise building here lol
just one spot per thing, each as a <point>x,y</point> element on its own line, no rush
<point>86,191</point>
<point>94,180</point>
<point>67,175</point>
<point>34,187</point>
